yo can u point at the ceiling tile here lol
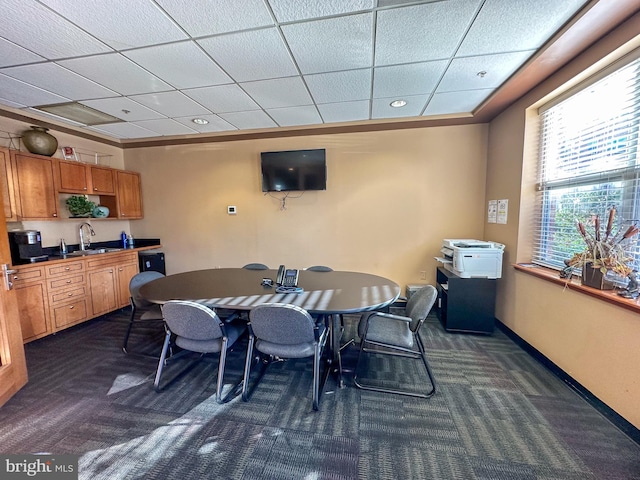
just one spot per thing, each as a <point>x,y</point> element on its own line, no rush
<point>116,72</point>
<point>222,98</point>
<point>278,92</point>
<point>412,79</point>
<point>25,94</point>
<point>123,108</point>
<point>456,102</point>
<point>12,54</point>
<point>11,103</point>
<point>303,115</point>
<point>249,120</point>
<point>166,126</point>
<point>342,43</point>
<point>292,10</point>
<point>344,111</point>
<point>124,30</point>
<point>462,74</point>
<point>422,32</point>
<point>200,17</point>
<point>35,27</point>
<point>182,65</point>
<point>125,130</point>
<point>171,104</point>
<point>522,25</point>
<point>413,108</point>
<point>263,53</point>
<point>59,80</point>
<point>216,124</point>
<point>340,86</point>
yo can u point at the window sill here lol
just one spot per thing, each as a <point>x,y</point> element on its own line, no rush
<point>550,275</point>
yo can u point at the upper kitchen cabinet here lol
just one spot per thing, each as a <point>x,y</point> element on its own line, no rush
<point>76,177</point>
<point>37,198</point>
<point>6,185</point>
<point>129,195</point>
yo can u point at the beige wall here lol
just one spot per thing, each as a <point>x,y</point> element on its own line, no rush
<point>391,197</point>
<point>594,342</point>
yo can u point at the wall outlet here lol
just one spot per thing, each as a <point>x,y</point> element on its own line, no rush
<point>423,275</point>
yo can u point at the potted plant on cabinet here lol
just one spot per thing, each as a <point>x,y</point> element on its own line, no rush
<point>605,251</point>
<point>80,206</point>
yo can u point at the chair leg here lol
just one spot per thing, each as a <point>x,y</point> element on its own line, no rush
<point>316,377</point>
<point>163,356</point>
<point>129,327</point>
<point>221,365</point>
<point>247,369</point>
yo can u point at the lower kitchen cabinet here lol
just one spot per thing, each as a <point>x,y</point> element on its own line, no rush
<point>67,287</point>
<point>33,306</point>
<point>109,281</point>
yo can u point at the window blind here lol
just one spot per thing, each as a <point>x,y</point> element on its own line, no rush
<point>588,164</point>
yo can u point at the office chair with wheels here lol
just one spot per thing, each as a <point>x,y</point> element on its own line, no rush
<point>197,328</point>
<point>395,335</point>
<point>280,330</point>
<point>256,266</point>
<point>149,311</point>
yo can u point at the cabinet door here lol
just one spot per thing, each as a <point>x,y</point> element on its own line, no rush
<point>103,290</point>
<point>125,274</point>
<point>38,199</point>
<point>69,314</point>
<point>73,177</point>
<point>6,184</point>
<point>102,181</point>
<point>33,307</point>
<point>129,194</point>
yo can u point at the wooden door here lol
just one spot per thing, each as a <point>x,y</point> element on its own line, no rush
<point>103,290</point>
<point>6,184</point>
<point>13,367</point>
<point>129,195</point>
<point>36,190</point>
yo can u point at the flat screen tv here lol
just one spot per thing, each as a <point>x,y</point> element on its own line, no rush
<point>295,170</point>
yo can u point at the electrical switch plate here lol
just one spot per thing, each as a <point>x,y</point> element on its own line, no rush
<point>231,210</point>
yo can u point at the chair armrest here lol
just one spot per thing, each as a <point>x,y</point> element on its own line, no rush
<point>390,316</point>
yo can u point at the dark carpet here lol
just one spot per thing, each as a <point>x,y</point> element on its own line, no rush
<point>498,414</point>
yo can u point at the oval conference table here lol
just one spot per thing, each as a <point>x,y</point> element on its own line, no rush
<point>324,293</point>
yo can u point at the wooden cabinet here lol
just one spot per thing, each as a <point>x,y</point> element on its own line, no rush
<point>31,292</point>
<point>129,194</point>
<point>6,185</point>
<point>72,177</point>
<point>102,180</point>
<point>34,186</point>
<point>67,293</point>
<point>109,281</point>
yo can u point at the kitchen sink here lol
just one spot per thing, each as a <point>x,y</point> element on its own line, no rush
<point>92,251</point>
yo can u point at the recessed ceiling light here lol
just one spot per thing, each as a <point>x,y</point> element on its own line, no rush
<point>398,103</point>
<point>200,121</point>
<point>79,113</point>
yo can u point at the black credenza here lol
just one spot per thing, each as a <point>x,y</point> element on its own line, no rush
<point>465,304</point>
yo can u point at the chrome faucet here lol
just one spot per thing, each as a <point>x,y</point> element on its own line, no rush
<point>85,243</point>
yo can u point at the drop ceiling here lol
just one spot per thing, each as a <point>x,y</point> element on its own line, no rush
<point>254,65</point>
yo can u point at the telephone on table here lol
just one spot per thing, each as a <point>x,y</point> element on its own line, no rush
<point>287,280</point>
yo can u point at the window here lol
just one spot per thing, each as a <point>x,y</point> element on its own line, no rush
<point>588,163</point>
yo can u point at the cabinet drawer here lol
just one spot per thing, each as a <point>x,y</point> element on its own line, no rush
<point>70,313</point>
<point>65,268</point>
<point>27,274</point>
<point>64,296</point>
<point>108,260</point>
<point>65,282</point>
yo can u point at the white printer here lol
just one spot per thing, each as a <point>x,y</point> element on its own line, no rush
<point>472,258</point>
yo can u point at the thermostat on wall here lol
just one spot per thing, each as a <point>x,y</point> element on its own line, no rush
<point>231,210</point>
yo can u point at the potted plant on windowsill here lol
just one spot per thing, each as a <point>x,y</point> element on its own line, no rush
<point>605,252</point>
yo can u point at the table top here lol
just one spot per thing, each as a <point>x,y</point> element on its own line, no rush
<point>242,289</point>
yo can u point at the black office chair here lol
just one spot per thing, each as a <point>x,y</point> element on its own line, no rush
<point>256,266</point>
<point>198,328</point>
<point>395,335</point>
<point>149,311</point>
<point>280,330</point>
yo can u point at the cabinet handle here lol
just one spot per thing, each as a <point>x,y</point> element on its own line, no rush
<point>55,215</point>
<point>70,295</point>
<point>120,269</point>
<point>67,268</point>
<point>71,307</point>
<point>15,277</point>
<point>95,188</point>
<point>110,271</point>
<point>84,188</point>
<point>68,281</point>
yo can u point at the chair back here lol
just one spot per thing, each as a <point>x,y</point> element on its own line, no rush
<point>282,323</point>
<point>191,320</point>
<point>137,281</point>
<point>419,306</point>
<point>256,266</point>
<point>320,268</point>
